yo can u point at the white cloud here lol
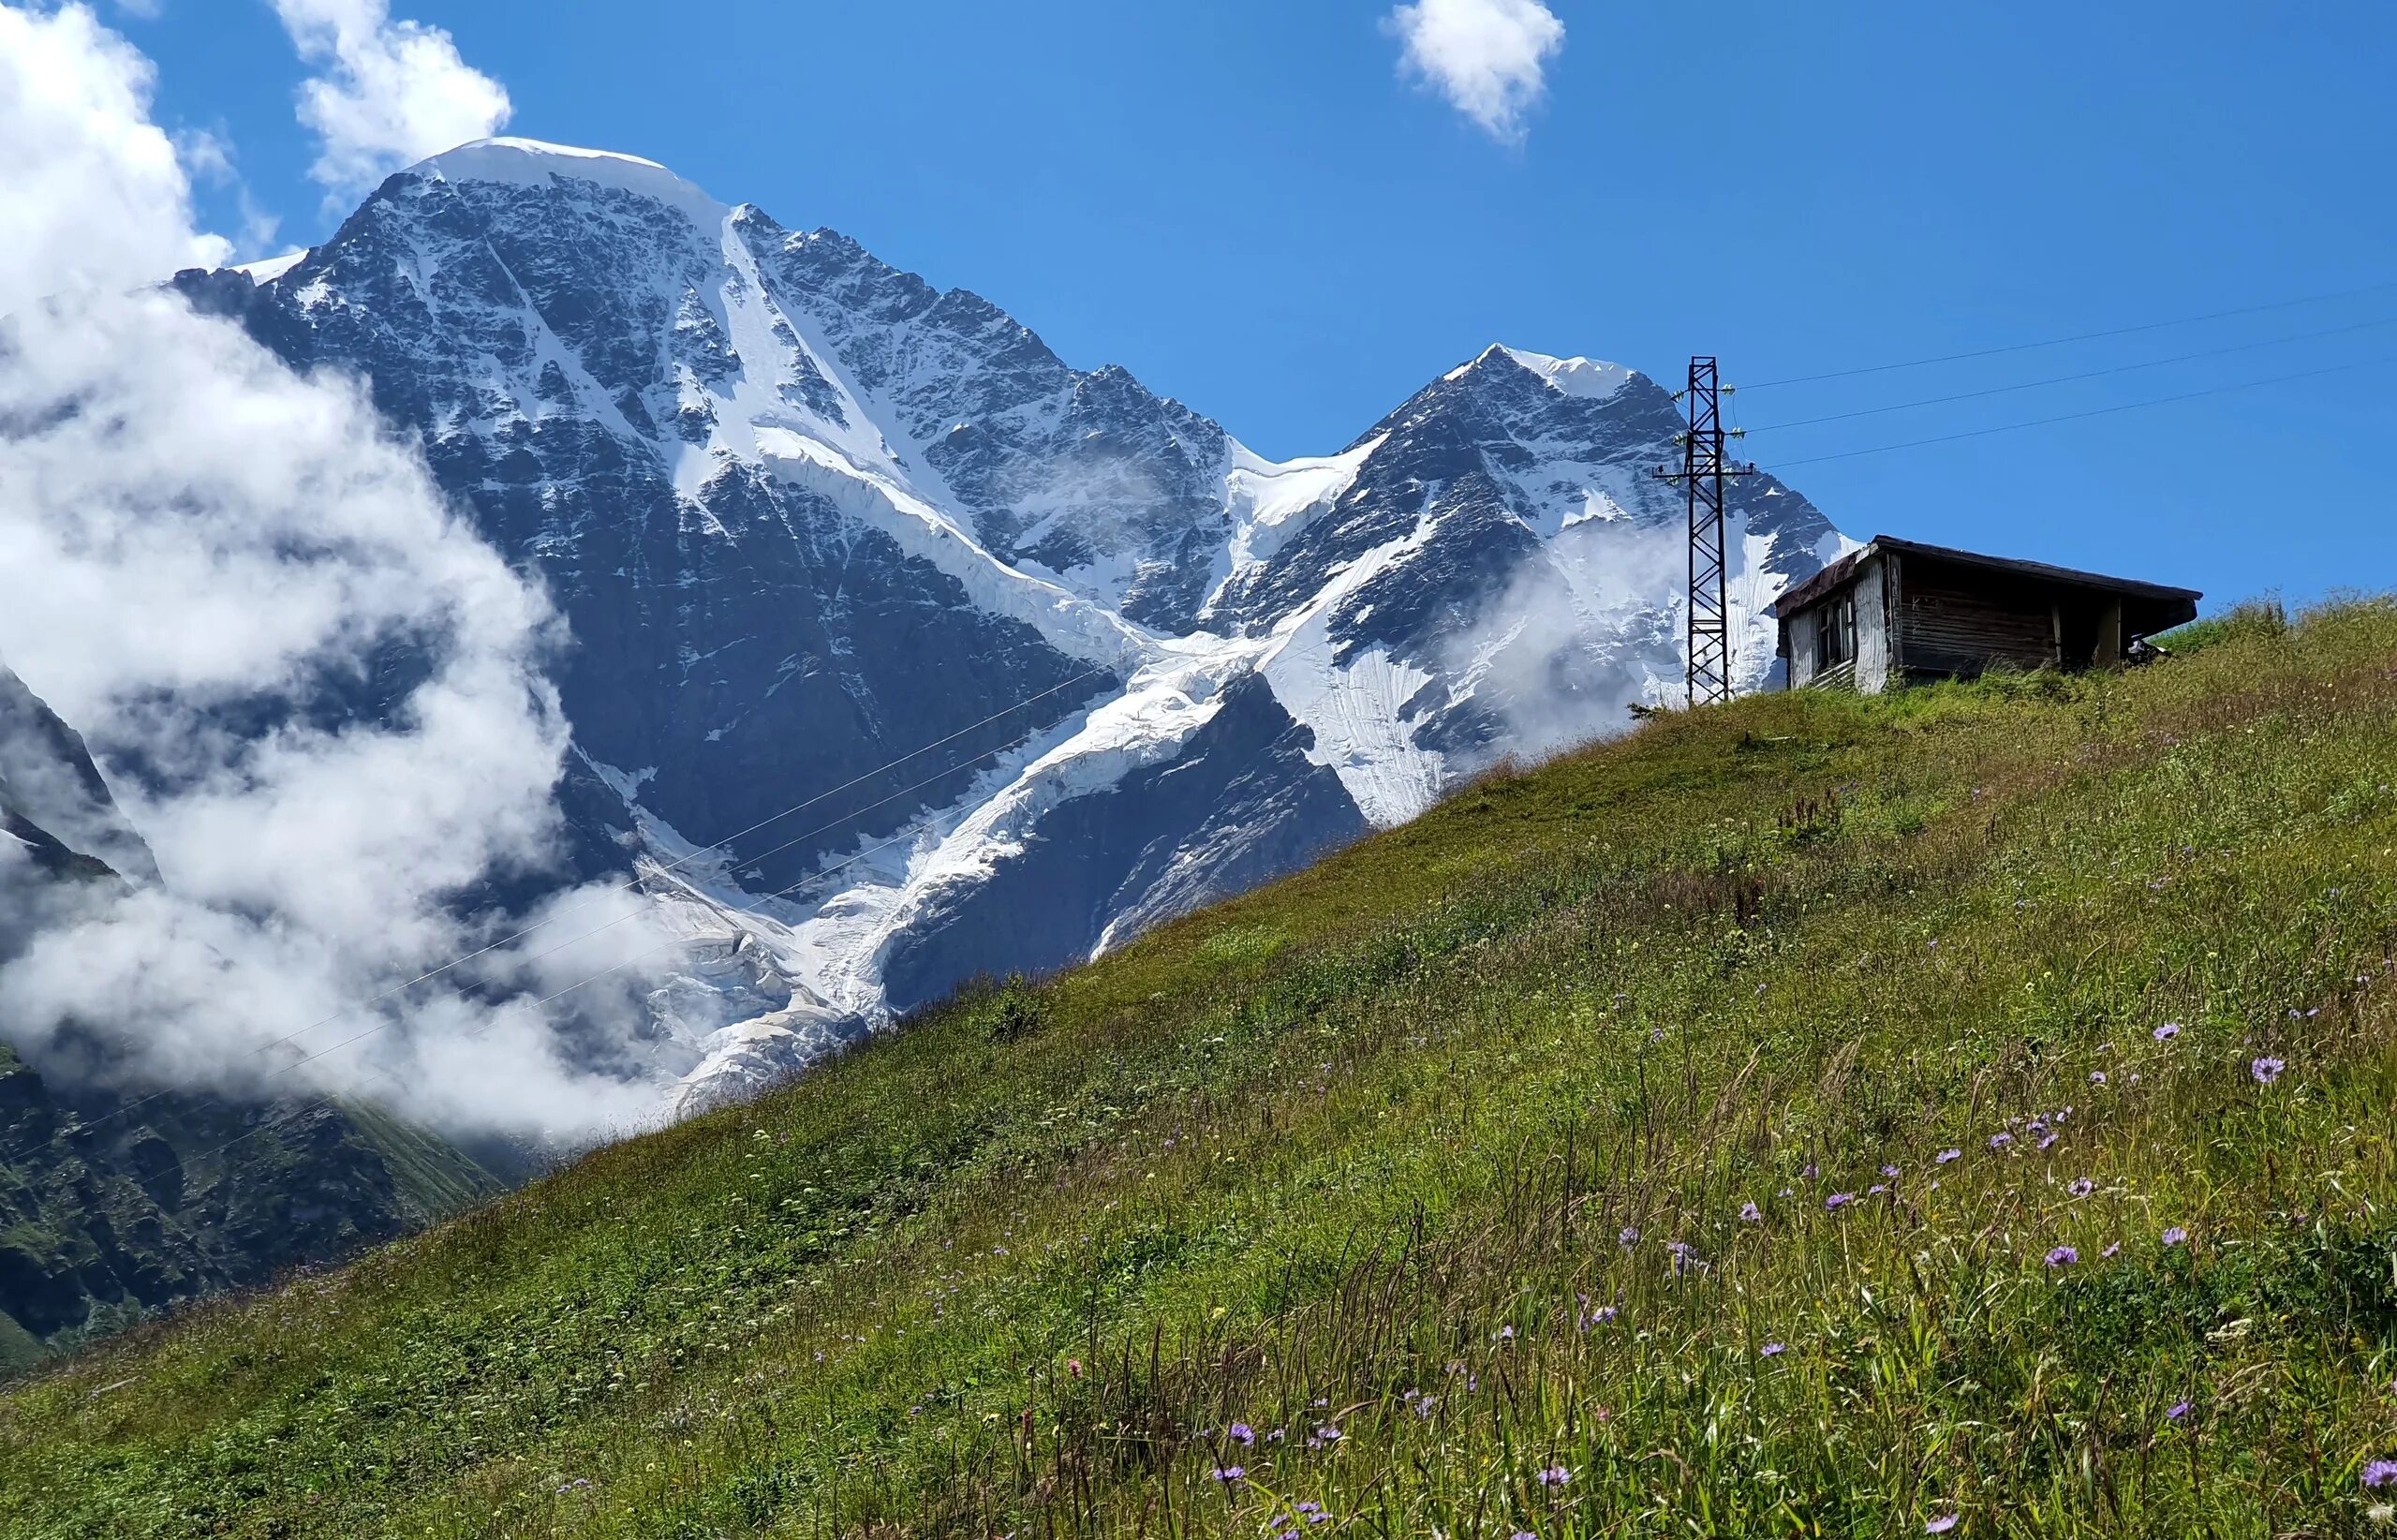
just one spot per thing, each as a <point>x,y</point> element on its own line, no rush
<point>391,93</point>
<point>1487,57</point>
<point>1579,637</point>
<point>190,532</point>
<point>91,191</point>
<point>208,155</point>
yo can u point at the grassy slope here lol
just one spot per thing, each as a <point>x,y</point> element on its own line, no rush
<point>1362,1152</point>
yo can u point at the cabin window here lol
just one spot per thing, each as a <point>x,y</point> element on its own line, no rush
<point>1836,631</point>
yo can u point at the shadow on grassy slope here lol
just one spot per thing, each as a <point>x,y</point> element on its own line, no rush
<point>1813,1115</point>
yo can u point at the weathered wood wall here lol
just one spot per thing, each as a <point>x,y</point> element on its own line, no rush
<point>1952,621</point>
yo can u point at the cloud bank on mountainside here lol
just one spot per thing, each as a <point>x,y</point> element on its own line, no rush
<point>320,695</point>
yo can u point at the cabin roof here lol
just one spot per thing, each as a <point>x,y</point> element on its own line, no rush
<point>1835,576</point>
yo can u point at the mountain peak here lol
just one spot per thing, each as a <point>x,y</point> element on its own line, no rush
<point>531,162</point>
<point>1593,379</point>
<point>1586,377</point>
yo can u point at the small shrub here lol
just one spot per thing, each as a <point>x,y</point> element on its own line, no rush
<point>1010,1011</point>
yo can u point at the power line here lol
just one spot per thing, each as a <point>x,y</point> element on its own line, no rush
<point>698,851</point>
<point>812,878</point>
<point>1095,671</point>
<point>2080,337</point>
<point>2095,412</point>
<point>752,908</point>
<point>2066,379</point>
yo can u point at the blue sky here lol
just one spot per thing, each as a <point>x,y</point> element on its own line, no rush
<point>1248,204</point>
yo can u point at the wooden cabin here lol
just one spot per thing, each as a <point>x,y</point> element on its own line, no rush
<point>1896,611</point>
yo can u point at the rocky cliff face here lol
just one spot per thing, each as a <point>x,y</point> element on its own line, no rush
<point>56,814</point>
<point>807,514</point>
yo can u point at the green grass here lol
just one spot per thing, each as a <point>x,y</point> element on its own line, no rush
<point>1364,1151</point>
<point>2261,618</point>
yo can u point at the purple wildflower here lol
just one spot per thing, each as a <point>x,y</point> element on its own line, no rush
<point>1811,1171</point>
<point>2175,1235</point>
<point>1941,1525</point>
<point>1946,1155</point>
<point>2063,1256</point>
<point>1890,1172</point>
<point>1876,1189</point>
<point>2082,1187</point>
<point>2111,1249</point>
<point>2000,1140</point>
<point>1241,1433</point>
<point>2097,1077</point>
<point>1774,1350</point>
<point>2380,1473</point>
<point>2176,1411</point>
<point>1751,1214</point>
<point>1229,1473</point>
<point>1630,1237</point>
<point>2266,1070</point>
<point>2049,1141</point>
<point>1839,1200</point>
<point>1555,1475</point>
<point>2166,1033</point>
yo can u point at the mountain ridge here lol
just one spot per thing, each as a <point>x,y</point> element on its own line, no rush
<point>779,486</point>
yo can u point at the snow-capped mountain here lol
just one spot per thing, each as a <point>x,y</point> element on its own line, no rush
<point>807,514</point>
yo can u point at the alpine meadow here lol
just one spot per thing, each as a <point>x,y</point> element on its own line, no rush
<point>1990,1138</point>
<point>1413,770</point>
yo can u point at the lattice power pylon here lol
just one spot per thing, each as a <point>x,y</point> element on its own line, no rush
<point>1702,473</point>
